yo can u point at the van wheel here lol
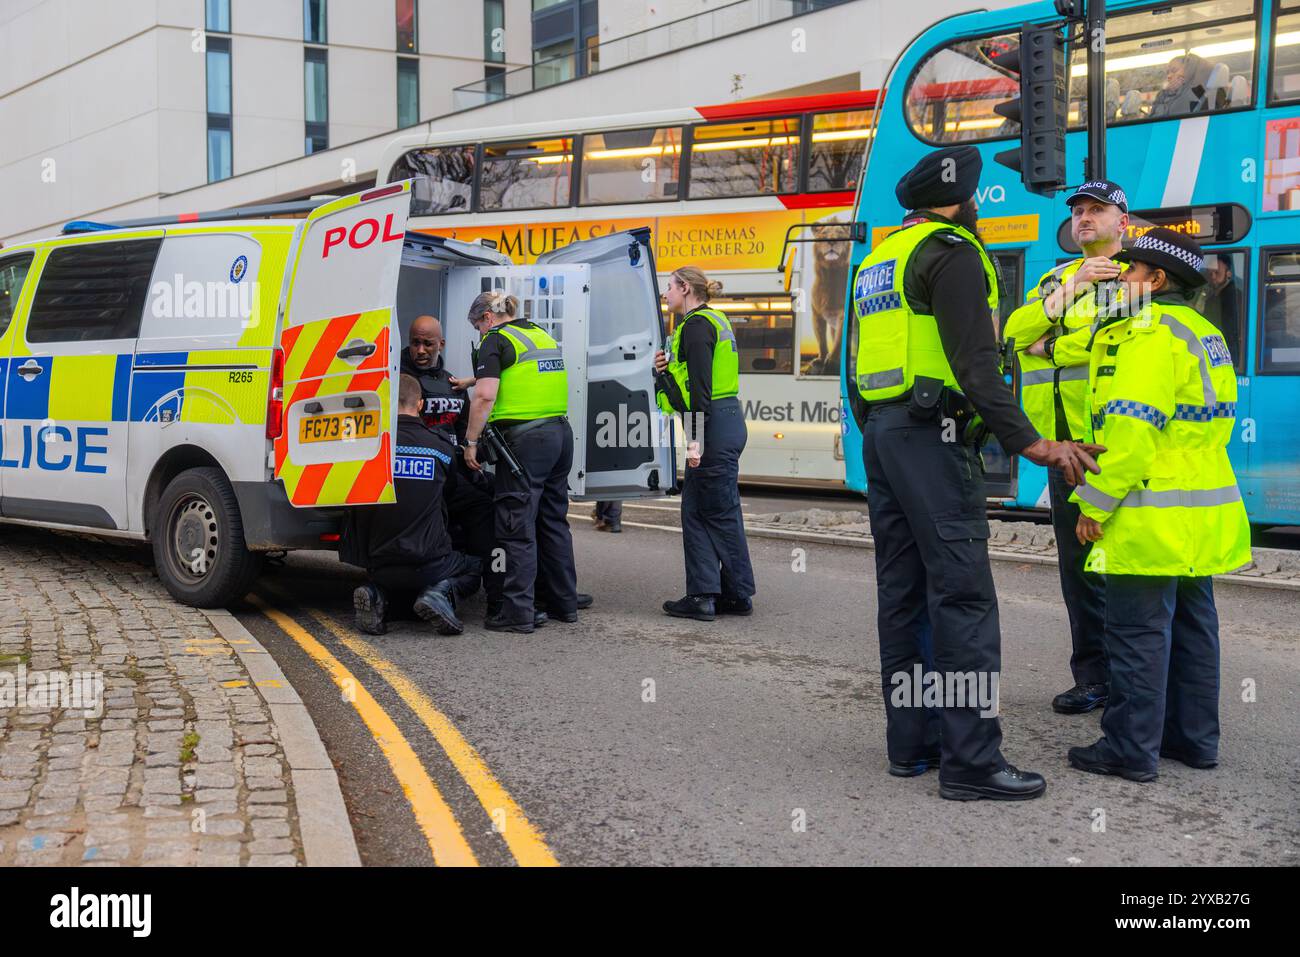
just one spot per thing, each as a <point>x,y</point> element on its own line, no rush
<point>198,541</point>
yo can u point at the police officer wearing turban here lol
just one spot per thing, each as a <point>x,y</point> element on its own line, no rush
<point>928,391</point>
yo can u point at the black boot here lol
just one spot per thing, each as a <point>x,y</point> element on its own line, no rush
<point>371,606</point>
<point>1081,699</point>
<point>734,606</point>
<point>910,769</point>
<point>438,606</point>
<point>699,607</point>
<point>1097,761</point>
<point>1009,784</point>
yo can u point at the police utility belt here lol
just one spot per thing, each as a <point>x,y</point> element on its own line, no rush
<point>498,443</point>
<point>931,401</point>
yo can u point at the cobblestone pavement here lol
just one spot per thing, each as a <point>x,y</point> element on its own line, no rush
<point>180,763</point>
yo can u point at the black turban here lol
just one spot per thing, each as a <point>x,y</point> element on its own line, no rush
<point>945,177</point>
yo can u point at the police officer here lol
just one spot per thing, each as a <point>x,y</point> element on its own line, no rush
<point>405,546</point>
<point>1164,514</point>
<point>701,380</point>
<point>927,386</point>
<point>445,409</point>
<point>1053,387</point>
<point>521,388</point>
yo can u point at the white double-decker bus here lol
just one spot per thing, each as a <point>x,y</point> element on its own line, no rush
<point>720,187</point>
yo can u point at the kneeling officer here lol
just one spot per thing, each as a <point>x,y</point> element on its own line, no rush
<point>405,546</point>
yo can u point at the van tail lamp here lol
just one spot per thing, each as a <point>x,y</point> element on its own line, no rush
<point>275,398</point>
<point>381,192</point>
<point>328,537</point>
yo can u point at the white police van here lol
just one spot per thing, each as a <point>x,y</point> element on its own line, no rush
<point>223,387</point>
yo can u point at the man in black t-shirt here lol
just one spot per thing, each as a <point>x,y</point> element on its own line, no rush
<point>443,405</point>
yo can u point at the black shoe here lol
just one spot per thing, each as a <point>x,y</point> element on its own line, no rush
<point>498,623</point>
<point>734,606</point>
<point>615,527</point>
<point>1088,759</point>
<point>584,600</point>
<point>910,769</point>
<point>540,618</point>
<point>568,617</point>
<point>435,606</point>
<point>1009,784</point>
<point>1200,764</point>
<point>699,607</point>
<point>371,607</point>
<point>1081,699</point>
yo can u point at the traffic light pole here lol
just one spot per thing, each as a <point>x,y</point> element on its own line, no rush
<point>1095,36</point>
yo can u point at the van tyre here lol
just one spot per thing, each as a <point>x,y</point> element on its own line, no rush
<point>198,541</point>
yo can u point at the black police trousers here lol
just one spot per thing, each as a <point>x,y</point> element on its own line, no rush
<point>471,517</point>
<point>532,523</point>
<point>713,529</point>
<point>403,583</point>
<point>1084,592</point>
<point>938,611</point>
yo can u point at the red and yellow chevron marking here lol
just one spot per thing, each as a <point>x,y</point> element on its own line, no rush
<point>312,369</point>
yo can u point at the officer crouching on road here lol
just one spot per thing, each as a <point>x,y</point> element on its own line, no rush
<point>927,366</point>
<point>1164,514</point>
<point>445,409</point>
<point>522,390</point>
<point>1054,390</point>
<point>405,546</point>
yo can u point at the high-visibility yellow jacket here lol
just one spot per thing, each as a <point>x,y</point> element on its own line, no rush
<point>1163,397</point>
<point>1062,379</point>
<point>536,385</point>
<point>726,361</point>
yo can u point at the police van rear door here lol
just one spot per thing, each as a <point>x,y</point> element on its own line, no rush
<point>625,443</point>
<point>340,351</point>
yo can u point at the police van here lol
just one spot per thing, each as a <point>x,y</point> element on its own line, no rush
<point>226,387</point>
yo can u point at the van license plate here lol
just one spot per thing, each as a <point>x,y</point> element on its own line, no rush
<point>343,426</point>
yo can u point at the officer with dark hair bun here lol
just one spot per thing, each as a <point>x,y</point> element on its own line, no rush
<point>928,391</point>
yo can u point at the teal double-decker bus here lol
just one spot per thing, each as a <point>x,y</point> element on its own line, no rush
<point>1202,130</point>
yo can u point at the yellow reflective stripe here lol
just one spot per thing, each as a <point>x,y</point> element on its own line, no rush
<point>260,330</point>
<point>81,388</point>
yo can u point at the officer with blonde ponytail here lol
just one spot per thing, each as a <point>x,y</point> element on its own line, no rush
<point>522,389</point>
<point>700,379</point>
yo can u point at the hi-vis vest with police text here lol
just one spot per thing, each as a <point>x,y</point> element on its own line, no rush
<point>895,344</point>
<point>1041,379</point>
<point>536,385</point>
<point>726,361</point>
<point>1163,402</point>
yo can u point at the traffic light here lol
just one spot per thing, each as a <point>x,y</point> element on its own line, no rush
<point>1041,109</point>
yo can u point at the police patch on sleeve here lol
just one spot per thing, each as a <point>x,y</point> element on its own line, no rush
<point>1217,350</point>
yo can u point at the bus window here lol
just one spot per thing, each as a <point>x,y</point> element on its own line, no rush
<point>1286,53</point>
<point>764,327</point>
<point>1172,60</point>
<point>951,96</point>
<point>1222,299</point>
<point>745,159</point>
<point>1280,313</point>
<point>839,144</point>
<point>444,178</point>
<point>631,166</point>
<point>529,174</point>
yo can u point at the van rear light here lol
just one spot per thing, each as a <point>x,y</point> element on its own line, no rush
<point>329,537</point>
<point>275,397</point>
<point>381,192</point>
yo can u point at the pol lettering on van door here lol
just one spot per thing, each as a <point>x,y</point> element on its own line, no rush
<point>361,235</point>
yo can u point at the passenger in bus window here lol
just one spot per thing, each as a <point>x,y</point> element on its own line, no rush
<point>1221,304</point>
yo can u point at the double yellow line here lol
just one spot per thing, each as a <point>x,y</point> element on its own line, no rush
<point>432,813</point>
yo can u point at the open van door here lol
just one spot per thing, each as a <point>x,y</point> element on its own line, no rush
<point>625,444</point>
<point>340,352</point>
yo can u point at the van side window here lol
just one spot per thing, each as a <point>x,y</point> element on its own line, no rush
<point>92,291</point>
<point>12,273</point>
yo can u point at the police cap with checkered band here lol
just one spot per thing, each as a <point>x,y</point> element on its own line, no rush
<point>1175,253</point>
<point>1103,190</point>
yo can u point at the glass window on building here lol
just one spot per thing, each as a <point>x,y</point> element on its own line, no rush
<point>407,26</point>
<point>528,174</point>
<point>1279,321</point>
<point>217,16</point>
<point>539,5</point>
<point>494,31</point>
<point>1172,60</point>
<point>219,154</point>
<point>444,178</point>
<point>494,82</point>
<point>408,91</point>
<point>631,166</point>
<point>553,64</point>
<point>1285,84</point>
<point>316,100</point>
<point>838,150</point>
<point>313,21</point>
<point>950,97</point>
<point>219,151</point>
<point>745,159</point>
